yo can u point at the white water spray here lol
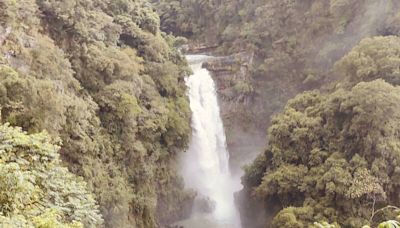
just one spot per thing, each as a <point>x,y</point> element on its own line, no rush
<point>206,164</point>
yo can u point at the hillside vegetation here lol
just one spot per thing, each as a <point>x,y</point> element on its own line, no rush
<point>94,114</point>
<point>36,191</point>
<point>103,78</point>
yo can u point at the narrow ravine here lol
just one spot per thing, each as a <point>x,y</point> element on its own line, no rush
<point>206,163</point>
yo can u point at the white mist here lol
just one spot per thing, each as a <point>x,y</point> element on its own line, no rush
<point>206,163</point>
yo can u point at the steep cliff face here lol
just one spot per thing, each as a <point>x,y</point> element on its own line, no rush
<point>101,76</point>
<point>236,99</point>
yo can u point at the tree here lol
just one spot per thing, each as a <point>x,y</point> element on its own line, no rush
<point>35,190</point>
<point>372,58</point>
<point>335,153</point>
<point>103,77</point>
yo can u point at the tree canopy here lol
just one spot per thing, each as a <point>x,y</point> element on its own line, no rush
<point>35,190</point>
<point>332,157</point>
<point>101,76</point>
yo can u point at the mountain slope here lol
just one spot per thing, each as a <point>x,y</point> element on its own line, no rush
<point>101,76</point>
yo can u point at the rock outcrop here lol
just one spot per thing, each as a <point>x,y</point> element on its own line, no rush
<point>196,48</point>
<point>236,97</point>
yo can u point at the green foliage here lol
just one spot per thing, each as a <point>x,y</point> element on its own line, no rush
<point>49,219</point>
<point>364,184</point>
<point>335,153</point>
<point>186,18</point>
<point>377,57</point>
<point>35,190</point>
<point>254,172</point>
<point>389,224</point>
<point>285,180</point>
<point>325,225</point>
<point>243,88</point>
<point>293,217</point>
<point>280,33</point>
<point>103,77</point>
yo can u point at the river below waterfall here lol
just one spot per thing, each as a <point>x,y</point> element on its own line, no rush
<point>205,166</point>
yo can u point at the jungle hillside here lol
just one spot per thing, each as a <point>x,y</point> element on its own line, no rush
<point>95,113</point>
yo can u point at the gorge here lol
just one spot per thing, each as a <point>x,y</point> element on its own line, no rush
<point>290,118</point>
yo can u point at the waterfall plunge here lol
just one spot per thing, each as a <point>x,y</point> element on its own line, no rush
<point>205,165</point>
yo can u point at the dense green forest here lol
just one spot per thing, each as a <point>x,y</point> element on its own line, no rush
<point>94,112</point>
<point>107,86</point>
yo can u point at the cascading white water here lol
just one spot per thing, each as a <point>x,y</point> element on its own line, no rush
<point>205,164</point>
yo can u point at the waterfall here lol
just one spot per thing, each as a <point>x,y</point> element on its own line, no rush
<point>206,163</point>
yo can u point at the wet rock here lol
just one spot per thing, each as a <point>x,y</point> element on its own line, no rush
<point>196,48</point>
<point>232,77</point>
<point>240,106</point>
<point>168,213</point>
<point>232,63</point>
<point>252,210</point>
<point>204,204</point>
